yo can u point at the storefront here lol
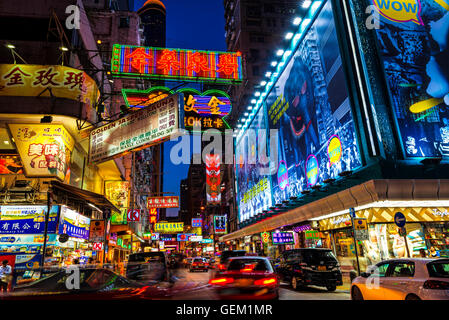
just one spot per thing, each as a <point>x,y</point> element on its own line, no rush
<point>427,229</point>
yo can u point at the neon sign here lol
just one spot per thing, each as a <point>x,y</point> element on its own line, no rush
<point>213,179</point>
<point>207,109</point>
<point>312,170</point>
<point>181,64</point>
<point>334,150</point>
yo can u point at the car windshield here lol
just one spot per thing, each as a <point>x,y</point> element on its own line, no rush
<point>438,269</point>
<point>146,257</point>
<point>316,256</point>
<point>249,265</point>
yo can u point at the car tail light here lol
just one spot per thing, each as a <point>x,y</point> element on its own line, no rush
<point>221,267</point>
<point>436,285</point>
<point>298,270</point>
<point>265,281</point>
<point>221,281</point>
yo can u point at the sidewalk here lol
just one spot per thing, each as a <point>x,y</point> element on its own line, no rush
<point>346,284</point>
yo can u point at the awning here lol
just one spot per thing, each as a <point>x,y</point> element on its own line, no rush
<point>427,191</point>
<point>96,199</point>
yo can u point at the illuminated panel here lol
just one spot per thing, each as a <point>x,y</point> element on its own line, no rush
<point>213,179</point>
<point>180,64</point>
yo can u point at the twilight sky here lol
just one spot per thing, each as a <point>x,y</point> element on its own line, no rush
<point>192,24</point>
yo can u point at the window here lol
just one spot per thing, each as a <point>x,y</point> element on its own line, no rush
<point>438,269</point>
<point>268,8</point>
<point>124,22</point>
<point>253,23</point>
<point>380,270</point>
<point>254,53</point>
<point>403,269</point>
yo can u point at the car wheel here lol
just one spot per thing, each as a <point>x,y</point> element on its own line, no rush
<point>331,287</point>
<point>412,297</point>
<point>356,294</point>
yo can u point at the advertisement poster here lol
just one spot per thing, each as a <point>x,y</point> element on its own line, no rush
<point>413,42</point>
<point>96,232</point>
<point>138,130</point>
<point>253,181</point>
<point>28,80</point>
<point>220,224</point>
<point>19,243</point>
<point>213,179</point>
<point>118,193</point>
<point>27,219</point>
<point>309,105</point>
<point>73,224</point>
<point>44,149</point>
<point>10,164</point>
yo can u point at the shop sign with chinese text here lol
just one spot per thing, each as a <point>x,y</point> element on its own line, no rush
<point>138,130</point>
<point>220,224</point>
<point>44,149</point>
<point>282,237</point>
<point>27,80</point>
<point>213,179</point>
<point>96,233</point>
<point>169,227</point>
<point>163,202</point>
<point>176,64</point>
<point>118,193</point>
<point>27,219</point>
<point>207,109</point>
<point>73,224</point>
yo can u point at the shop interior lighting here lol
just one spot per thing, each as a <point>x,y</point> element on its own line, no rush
<point>245,114</point>
<point>253,101</point>
<point>289,35</point>
<point>263,83</point>
<point>303,23</point>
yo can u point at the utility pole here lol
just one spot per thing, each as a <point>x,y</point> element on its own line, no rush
<point>47,214</point>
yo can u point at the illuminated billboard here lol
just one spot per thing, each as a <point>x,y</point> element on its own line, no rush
<point>138,130</point>
<point>309,106</point>
<point>207,109</point>
<point>73,224</point>
<point>27,219</point>
<point>163,202</point>
<point>213,179</point>
<point>176,64</point>
<point>169,227</point>
<point>220,224</point>
<point>27,80</point>
<point>118,193</point>
<point>45,149</point>
<point>253,185</point>
<point>414,48</point>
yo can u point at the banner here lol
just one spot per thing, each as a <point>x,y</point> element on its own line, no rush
<point>27,80</point>
<point>73,224</point>
<point>169,227</point>
<point>96,232</point>
<point>213,179</point>
<point>30,243</point>
<point>27,219</point>
<point>220,224</point>
<point>138,130</point>
<point>163,202</point>
<point>44,149</point>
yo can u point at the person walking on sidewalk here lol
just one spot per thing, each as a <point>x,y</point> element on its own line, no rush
<point>5,276</point>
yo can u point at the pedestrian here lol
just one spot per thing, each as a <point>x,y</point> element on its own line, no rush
<point>422,253</point>
<point>5,276</point>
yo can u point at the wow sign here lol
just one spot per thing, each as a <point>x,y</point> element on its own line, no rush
<point>334,150</point>
<point>400,10</point>
<point>312,170</point>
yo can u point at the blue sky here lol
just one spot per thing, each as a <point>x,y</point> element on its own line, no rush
<point>193,24</point>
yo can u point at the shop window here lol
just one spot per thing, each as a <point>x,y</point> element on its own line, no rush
<point>403,269</point>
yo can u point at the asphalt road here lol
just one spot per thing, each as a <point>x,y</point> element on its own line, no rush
<point>194,286</point>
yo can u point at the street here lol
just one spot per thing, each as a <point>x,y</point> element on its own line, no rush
<point>194,286</point>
